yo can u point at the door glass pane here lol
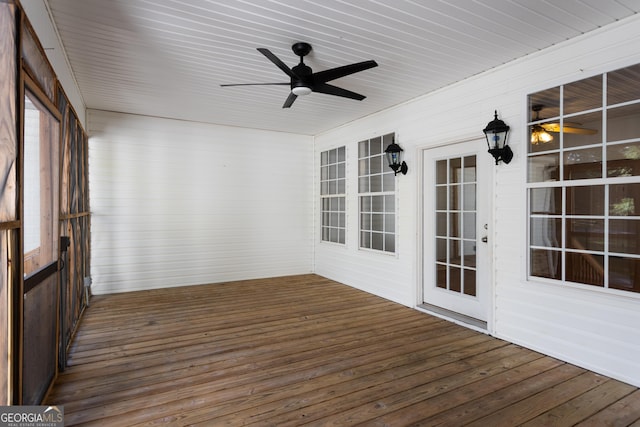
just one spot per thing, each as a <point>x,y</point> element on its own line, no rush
<point>441,276</point>
<point>469,282</point>
<point>456,229</point>
<point>469,225</point>
<point>441,198</point>
<point>469,252</point>
<point>469,169</point>
<point>441,224</point>
<point>441,172</point>
<point>455,166</point>
<point>454,224</point>
<point>441,250</point>
<point>454,252</point>
<point>455,192</point>
<point>469,197</point>
<point>455,281</point>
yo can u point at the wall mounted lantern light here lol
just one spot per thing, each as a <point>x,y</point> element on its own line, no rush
<point>496,133</point>
<point>394,159</point>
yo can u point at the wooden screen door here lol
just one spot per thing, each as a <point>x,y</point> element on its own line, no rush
<point>455,249</point>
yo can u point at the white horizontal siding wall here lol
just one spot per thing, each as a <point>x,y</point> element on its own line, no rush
<point>179,203</point>
<point>590,328</point>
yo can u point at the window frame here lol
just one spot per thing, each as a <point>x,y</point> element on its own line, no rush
<point>385,173</point>
<point>329,197</point>
<point>562,219</point>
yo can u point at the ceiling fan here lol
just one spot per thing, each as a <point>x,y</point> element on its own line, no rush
<point>304,80</point>
<point>540,131</point>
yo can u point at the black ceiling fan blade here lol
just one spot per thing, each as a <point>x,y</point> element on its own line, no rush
<point>278,62</point>
<point>345,70</point>
<point>256,84</point>
<point>338,91</point>
<point>289,101</point>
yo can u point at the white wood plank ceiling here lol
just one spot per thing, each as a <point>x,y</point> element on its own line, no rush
<point>168,58</point>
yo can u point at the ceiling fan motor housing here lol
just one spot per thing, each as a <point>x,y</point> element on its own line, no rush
<point>303,85</point>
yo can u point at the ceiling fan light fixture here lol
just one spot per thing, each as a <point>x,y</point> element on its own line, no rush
<point>301,90</point>
<point>540,135</point>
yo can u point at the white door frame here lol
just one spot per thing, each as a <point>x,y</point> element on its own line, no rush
<point>419,285</point>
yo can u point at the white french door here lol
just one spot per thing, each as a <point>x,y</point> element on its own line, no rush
<point>456,261</point>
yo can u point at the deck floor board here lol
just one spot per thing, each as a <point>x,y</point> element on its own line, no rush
<point>307,350</point>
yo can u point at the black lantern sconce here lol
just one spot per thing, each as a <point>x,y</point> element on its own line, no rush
<point>394,159</point>
<point>496,133</point>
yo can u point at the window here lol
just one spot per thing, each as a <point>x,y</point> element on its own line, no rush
<point>41,184</point>
<point>584,181</point>
<point>376,186</point>
<point>332,194</point>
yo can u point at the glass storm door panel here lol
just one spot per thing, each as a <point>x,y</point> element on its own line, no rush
<point>456,194</point>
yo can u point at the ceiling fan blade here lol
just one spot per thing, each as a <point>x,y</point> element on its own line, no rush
<point>256,84</point>
<point>278,62</point>
<point>555,127</point>
<point>338,91</point>
<point>292,97</point>
<point>345,70</point>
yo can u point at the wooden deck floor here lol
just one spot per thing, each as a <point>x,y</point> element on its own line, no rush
<point>307,350</point>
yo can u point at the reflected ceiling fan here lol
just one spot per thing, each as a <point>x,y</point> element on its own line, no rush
<point>540,131</point>
<point>304,80</point>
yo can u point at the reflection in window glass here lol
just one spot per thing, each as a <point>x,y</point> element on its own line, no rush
<point>623,159</point>
<point>585,200</point>
<point>585,268</point>
<point>623,236</point>
<point>624,273</point>
<point>622,123</point>
<point>545,201</point>
<point>624,199</point>
<point>549,100</point>
<point>584,226</point>
<point>585,94</point>
<point>582,130</point>
<point>546,232</point>
<point>622,85</point>
<point>544,168</point>
<point>585,234</point>
<point>583,164</point>
<point>545,263</point>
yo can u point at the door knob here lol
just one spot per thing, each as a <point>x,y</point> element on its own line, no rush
<point>484,239</point>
